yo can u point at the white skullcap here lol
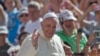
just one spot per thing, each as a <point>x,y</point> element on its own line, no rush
<point>50,15</point>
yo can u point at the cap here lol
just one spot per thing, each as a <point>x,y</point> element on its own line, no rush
<point>3,30</point>
<point>67,15</point>
<point>34,4</point>
<point>23,11</point>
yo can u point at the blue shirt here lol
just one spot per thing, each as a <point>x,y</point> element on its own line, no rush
<point>13,23</point>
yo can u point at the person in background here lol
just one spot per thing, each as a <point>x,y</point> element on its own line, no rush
<point>13,50</point>
<point>33,23</point>
<point>94,35</point>
<point>95,49</point>
<point>34,9</point>
<point>23,17</point>
<point>2,3</point>
<point>21,37</point>
<point>70,31</point>
<point>3,45</point>
<point>13,21</point>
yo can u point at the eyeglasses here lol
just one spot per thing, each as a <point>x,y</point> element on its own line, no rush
<point>22,15</point>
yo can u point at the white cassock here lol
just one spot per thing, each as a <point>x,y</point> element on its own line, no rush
<point>52,47</point>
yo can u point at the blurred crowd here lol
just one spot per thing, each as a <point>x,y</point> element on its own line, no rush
<point>49,27</point>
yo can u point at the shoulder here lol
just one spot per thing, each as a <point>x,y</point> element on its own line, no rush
<point>56,37</point>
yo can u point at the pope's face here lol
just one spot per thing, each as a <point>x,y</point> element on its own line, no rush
<point>49,27</point>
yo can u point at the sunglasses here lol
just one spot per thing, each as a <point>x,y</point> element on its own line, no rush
<point>22,15</point>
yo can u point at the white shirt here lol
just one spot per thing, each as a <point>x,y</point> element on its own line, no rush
<point>31,26</point>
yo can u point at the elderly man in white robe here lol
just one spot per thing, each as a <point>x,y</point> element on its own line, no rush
<point>45,42</point>
<point>48,43</point>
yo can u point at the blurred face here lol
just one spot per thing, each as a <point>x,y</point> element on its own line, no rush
<point>24,18</point>
<point>22,38</point>
<point>69,24</point>
<point>2,37</point>
<point>97,48</point>
<point>98,16</point>
<point>33,11</point>
<point>9,4</point>
<point>49,27</point>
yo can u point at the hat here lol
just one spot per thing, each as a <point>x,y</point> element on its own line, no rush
<point>3,30</point>
<point>34,4</point>
<point>67,15</point>
<point>23,11</point>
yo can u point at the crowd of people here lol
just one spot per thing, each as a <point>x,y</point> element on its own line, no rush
<point>49,28</point>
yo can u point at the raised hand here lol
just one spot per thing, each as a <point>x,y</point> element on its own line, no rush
<point>35,37</point>
<point>68,50</point>
<point>78,38</point>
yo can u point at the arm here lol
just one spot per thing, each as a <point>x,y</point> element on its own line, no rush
<point>98,2</point>
<point>75,9</point>
<point>45,7</point>
<point>82,22</point>
<point>84,5</point>
<point>78,38</point>
<point>2,15</point>
<point>67,50</point>
<point>19,4</point>
<point>90,40</point>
